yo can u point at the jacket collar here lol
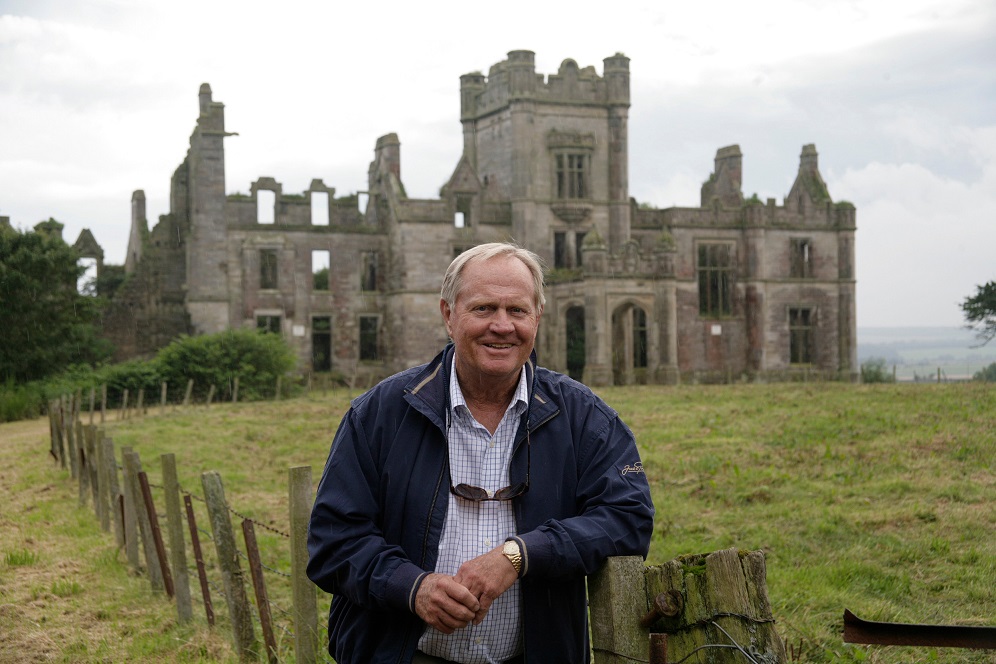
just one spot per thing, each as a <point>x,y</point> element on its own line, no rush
<point>428,391</point>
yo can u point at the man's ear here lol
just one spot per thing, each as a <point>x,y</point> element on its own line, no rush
<point>444,309</point>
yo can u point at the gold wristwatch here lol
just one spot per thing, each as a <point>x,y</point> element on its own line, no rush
<point>511,551</point>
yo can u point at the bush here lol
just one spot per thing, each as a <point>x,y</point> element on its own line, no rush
<point>21,402</point>
<point>256,358</point>
<point>987,374</point>
<point>874,370</point>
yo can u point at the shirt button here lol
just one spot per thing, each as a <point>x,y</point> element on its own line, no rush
<point>478,640</point>
<point>492,443</point>
<point>487,542</point>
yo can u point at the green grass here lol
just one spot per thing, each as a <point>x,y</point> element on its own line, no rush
<point>876,498</point>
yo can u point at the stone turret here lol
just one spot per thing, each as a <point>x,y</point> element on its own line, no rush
<point>725,181</point>
<point>139,230</point>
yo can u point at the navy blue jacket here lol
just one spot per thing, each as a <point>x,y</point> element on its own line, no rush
<point>382,501</point>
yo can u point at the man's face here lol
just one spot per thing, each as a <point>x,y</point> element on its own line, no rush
<point>493,322</point>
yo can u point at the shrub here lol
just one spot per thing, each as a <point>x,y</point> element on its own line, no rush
<point>874,370</point>
<point>256,358</point>
<point>987,374</point>
<point>20,402</point>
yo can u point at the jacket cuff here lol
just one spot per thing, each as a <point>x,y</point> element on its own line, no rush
<point>404,585</point>
<point>523,551</point>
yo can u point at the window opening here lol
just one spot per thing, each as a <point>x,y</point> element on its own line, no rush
<point>458,220</point>
<point>321,343</point>
<point>578,245</point>
<point>639,338</point>
<point>715,272</point>
<point>86,284</point>
<point>361,201</point>
<point>320,261</point>
<point>368,338</point>
<point>368,278</point>
<point>266,206</point>
<point>559,250</point>
<point>575,342</point>
<point>319,208</point>
<point>801,260</point>
<point>268,269</point>
<point>801,335</point>
<point>572,175</point>
<point>268,324</point>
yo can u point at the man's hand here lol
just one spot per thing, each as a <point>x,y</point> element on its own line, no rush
<point>486,577</point>
<point>445,604</point>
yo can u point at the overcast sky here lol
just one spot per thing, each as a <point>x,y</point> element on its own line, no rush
<point>98,98</point>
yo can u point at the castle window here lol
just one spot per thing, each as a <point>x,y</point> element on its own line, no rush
<point>368,278</point>
<point>801,335</point>
<point>639,338</point>
<point>368,338</point>
<point>319,208</point>
<point>321,343</point>
<point>801,266</point>
<point>578,246</point>
<point>715,272</point>
<point>268,269</point>
<point>572,175</point>
<point>559,250</point>
<point>266,206</point>
<point>269,324</point>
<point>320,269</point>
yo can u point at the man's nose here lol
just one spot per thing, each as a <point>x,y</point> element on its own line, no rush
<point>501,321</point>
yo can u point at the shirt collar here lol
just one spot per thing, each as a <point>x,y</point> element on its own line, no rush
<point>458,404</point>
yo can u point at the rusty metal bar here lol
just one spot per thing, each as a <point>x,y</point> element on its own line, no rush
<point>157,534</point>
<point>259,585</point>
<point>658,648</point>
<point>195,542</point>
<point>857,630</point>
<point>667,604</point>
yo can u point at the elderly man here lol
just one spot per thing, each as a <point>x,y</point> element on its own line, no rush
<point>464,501</point>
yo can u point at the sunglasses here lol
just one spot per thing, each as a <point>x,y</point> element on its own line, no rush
<point>480,495</point>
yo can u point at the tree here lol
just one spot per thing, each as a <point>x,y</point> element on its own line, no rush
<point>980,311</point>
<point>46,324</point>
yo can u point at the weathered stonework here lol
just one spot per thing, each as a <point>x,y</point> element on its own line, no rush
<point>736,288</point>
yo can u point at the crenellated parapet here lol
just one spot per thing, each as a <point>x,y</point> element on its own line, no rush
<point>515,79</point>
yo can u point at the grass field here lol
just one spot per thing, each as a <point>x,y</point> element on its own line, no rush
<point>880,499</point>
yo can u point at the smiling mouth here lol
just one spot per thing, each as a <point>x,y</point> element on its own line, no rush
<point>499,346</point>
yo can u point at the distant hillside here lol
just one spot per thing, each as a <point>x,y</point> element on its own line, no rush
<point>921,351</point>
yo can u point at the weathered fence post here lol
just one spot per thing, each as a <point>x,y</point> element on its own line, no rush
<point>103,401</point>
<point>617,602</point>
<point>190,390</point>
<point>115,509</point>
<point>92,465</point>
<point>174,522</point>
<point>93,397</point>
<point>123,414</point>
<point>723,602</point>
<point>210,396</point>
<point>162,398</point>
<point>235,390</point>
<point>130,515</point>
<point>231,571</point>
<point>68,423</point>
<point>140,404</point>
<point>304,593</point>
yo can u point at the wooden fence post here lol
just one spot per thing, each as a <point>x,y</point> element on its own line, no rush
<point>235,390</point>
<point>93,397</point>
<point>174,522</point>
<point>724,602</point>
<point>210,397</point>
<point>123,413</point>
<point>304,591</point>
<point>231,571</point>
<point>617,602</point>
<point>103,401</point>
<point>162,398</point>
<point>130,516</point>
<point>140,404</point>
<point>114,509</point>
<point>92,465</point>
<point>190,390</point>
<point>68,426</point>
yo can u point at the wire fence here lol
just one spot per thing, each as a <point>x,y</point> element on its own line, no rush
<point>278,599</point>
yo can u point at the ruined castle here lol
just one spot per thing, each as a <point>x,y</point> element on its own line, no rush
<point>736,288</point>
